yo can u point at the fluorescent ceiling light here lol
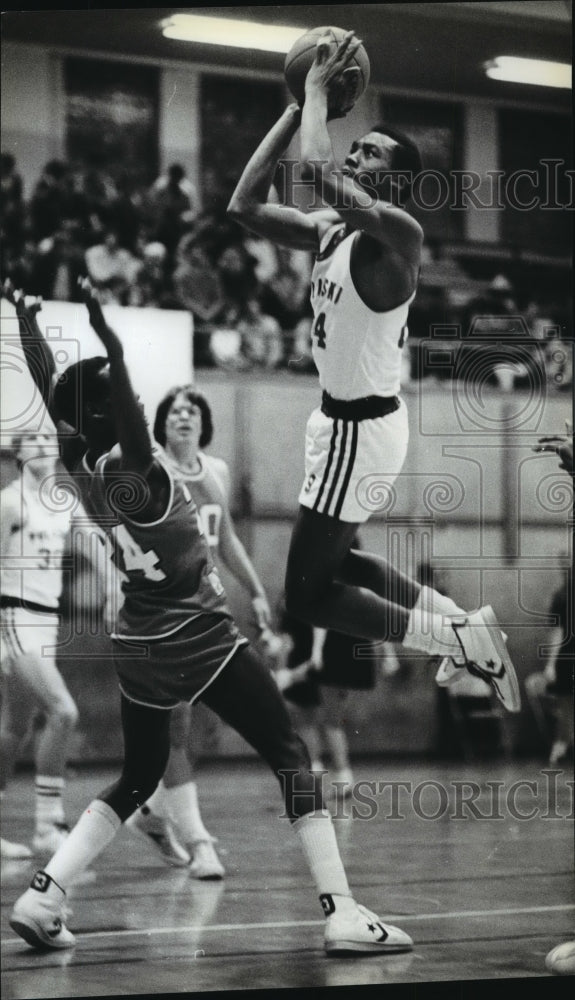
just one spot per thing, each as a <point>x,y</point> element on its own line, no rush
<point>227,31</point>
<point>534,71</point>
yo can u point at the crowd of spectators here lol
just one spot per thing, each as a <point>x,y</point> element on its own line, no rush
<point>153,246</point>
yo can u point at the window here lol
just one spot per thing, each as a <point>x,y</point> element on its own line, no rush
<point>112,117</point>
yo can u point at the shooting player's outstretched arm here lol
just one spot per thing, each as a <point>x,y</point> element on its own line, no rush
<point>250,205</point>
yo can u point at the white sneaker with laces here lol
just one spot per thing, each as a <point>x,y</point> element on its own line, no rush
<point>205,862</point>
<point>353,928</point>
<point>38,916</point>
<point>10,851</point>
<point>483,646</point>
<point>48,839</point>
<point>160,833</point>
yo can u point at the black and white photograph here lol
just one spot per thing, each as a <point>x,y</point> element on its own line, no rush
<point>286,437</point>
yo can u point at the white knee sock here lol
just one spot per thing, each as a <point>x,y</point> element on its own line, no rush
<point>95,829</point>
<point>49,803</point>
<point>317,838</point>
<point>429,628</point>
<point>183,808</point>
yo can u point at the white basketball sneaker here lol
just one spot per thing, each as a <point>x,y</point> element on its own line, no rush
<point>449,671</point>
<point>9,851</point>
<point>483,647</point>
<point>160,833</point>
<point>353,928</point>
<point>38,916</point>
<point>206,864</point>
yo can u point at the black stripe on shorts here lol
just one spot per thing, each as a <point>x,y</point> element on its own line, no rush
<point>349,470</point>
<point>328,466</point>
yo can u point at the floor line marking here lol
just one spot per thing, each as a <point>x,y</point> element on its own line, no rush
<point>282,924</point>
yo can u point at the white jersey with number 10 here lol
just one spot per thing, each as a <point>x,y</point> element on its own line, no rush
<point>357,351</point>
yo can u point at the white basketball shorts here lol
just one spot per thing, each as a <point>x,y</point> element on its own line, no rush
<point>26,633</point>
<point>351,465</point>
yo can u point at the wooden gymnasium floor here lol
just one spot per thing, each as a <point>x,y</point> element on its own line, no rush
<point>483,898</point>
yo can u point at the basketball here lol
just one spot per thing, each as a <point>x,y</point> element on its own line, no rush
<point>561,959</point>
<point>302,54</point>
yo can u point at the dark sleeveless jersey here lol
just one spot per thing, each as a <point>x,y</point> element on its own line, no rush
<point>170,577</point>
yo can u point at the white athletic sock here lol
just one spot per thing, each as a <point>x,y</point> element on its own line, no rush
<point>317,838</point>
<point>428,633</point>
<point>95,829</point>
<point>157,802</point>
<point>183,808</point>
<point>49,804</point>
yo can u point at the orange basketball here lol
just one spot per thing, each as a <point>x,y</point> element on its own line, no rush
<point>302,54</point>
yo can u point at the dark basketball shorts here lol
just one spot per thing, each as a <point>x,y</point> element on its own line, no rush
<point>162,672</point>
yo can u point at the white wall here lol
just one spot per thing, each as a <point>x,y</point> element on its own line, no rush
<point>157,343</point>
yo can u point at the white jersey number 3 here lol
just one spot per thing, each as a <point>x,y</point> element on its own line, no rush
<point>135,559</point>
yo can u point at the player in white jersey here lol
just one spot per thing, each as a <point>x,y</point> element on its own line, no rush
<point>367,257</point>
<point>35,531</point>
<point>184,427</point>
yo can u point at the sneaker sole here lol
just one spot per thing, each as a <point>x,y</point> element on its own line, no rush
<point>32,934</point>
<point>369,948</point>
<point>492,626</point>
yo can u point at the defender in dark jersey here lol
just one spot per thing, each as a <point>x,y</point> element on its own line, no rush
<point>194,650</point>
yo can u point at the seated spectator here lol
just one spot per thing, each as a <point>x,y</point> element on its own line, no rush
<point>127,212</point>
<point>285,298</point>
<point>53,200</point>
<point>171,207</point>
<point>111,269</point>
<point>59,263</point>
<point>150,286</point>
<point>261,337</point>
<point>12,207</point>
<point>19,264</point>
<point>238,277</point>
<point>265,255</point>
<point>197,287</point>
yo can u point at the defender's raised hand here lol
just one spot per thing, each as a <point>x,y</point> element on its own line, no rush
<point>110,340</point>
<point>17,298</point>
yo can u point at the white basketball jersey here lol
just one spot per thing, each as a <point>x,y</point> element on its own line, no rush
<point>357,351</point>
<point>32,565</point>
<point>209,492</point>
